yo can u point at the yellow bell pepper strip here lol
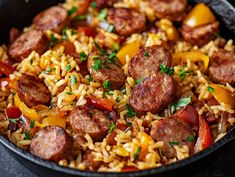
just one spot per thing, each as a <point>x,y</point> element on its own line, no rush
<point>199,15</point>
<point>129,49</point>
<point>145,140</point>
<point>223,95</point>
<point>167,26</point>
<point>194,56</point>
<point>54,121</point>
<point>28,112</point>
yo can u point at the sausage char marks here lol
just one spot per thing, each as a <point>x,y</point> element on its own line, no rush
<point>51,143</point>
<point>147,61</point>
<point>172,132</point>
<point>33,91</point>
<point>153,94</point>
<point>222,67</point>
<point>200,35</point>
<point>54,18</point>
<point>91,121</point>
<point>173,10</point>
<point>26,43</point>
<point>126,21</point>
<point>106,71</point>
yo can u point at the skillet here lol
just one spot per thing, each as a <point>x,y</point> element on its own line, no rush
<point>19,13</point>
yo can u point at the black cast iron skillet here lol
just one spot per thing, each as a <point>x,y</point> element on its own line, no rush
<point>19,13</point>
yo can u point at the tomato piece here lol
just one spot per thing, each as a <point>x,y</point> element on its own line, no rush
<point>82,9</point>
<point>14,34</point>
<point>129,169</point>
<point>121,126</point>
<point>88,31</point>
<point>111,140</point>
<point>101,103</point>
<point>204,136</point>
<point>13,112</point>
<point>6,69</point>
<point>69,49</point>
<point>188,115</point>
<point>83,68</point>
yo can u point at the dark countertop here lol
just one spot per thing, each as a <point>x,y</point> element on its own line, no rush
<point>223,166</point>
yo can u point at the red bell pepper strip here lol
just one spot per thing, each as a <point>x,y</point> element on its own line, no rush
<point>188,115</point>
<point>101,103</point>
<point>6,69</point>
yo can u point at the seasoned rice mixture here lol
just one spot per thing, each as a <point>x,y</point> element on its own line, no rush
<point>118,85</point>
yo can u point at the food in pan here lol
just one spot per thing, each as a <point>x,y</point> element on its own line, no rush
<point>117,85</point>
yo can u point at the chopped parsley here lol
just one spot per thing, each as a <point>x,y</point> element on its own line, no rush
<point>109,93</point>
<point>64,34</point>
<point>103,14</point>
<point>73,80</point>
<point>146,54</point>
<point>110,28</point>
<point>190,138</point>
<point>32,123</point>
<point>98,64</point>
<point>116,47</point>
<point>129,124</point>
<point>31,61</point>
<point>138,81</point>
<point>73,32</point>
<point>118,100</point>
<point>172,143</point>
<point>69,93</point>
<point>80,17</point>
<point>183,102</point>
<point>72,10</point>
<point>90,78</point>
<point>130,113</point>
<point>54,40</point>
<point>182,73</point>
<point>101,51</point>
<point>210,89</point>
<point>165,69</point>
<point>93,4</point>
<point>123,91</point>
<point>27,135</point>
<point>137,153</point>
<point>68,67</point>
<point>112,127</point>
<point>83,56</point>
<point>112,58</point>
<point>106,85</point>
<point>48,70</point>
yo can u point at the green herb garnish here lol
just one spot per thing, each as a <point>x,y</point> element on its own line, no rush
<point>101,51</point>
<point>54,40</point>
<point>112,127</point>
<point>146,54</point>
<point>137,153</point>
<point>130,112</point>
<point>64,34</point>
<point>110,28</point>
<point>98,64</point>
<point>90,78</point>
<point>183,102</point>
<point>73,80</point>
<point>72,10</point>
<point>165,69</point>
<point>27,135</point>
<point>138,81</point>
<point>103,14</point>
<point>68,67</point>
<point>107,85</point>
<point>190,138</point>
<point>32,123</point>
<point>172,143</point>
<point>80,17</point>
<point>93,4</point>
<point>116,47</point>
<point>83,56</point>
<point>69,93</point>
<point>14,121</point>
<point>210,89</point>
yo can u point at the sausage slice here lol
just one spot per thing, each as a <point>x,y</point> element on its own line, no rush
<point>147,61</point>
<point>153,94</point>
<point>91,121</point>
<point>200,35</point>
<point>32,40</point>
<point>104,3</point>
<point>51,143</point>
<point>126,21</point>
<point>222,67</point>
<point>54,18</point>
<point>106,71</point>
<point>33,91</point>
<point>172,131</point>
<point>173,10</point>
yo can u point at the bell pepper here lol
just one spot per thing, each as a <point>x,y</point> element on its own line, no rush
<point>6,69</point>
<point>204,139</point>
<point>129,169</point>
<point>167,26</point>
<point>223,95</point>
<point>194,56</point>
<point>145,140</point>
<point>188,115</point>
<point>54,121</point>
<point>101,103</point>
<point>28,112</point>
<point>128,49</point>
<point>199,15</point>
<point>12,112</point>
<point>88,31</point>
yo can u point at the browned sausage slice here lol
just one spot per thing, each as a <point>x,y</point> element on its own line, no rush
<point>147,61</point>
<point>51,143</point>
<point>104,3</point>
<point>222,67</point>
<point>106,71</point>
<point>91,121</point>
<point>126,21</point>
<point>172,132</point>
<point>171,9</point>
<point>54,18</point>
<point>33,91</point>
<point>200,35</point>
<point>32,40</point>
<point>153,94</point>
